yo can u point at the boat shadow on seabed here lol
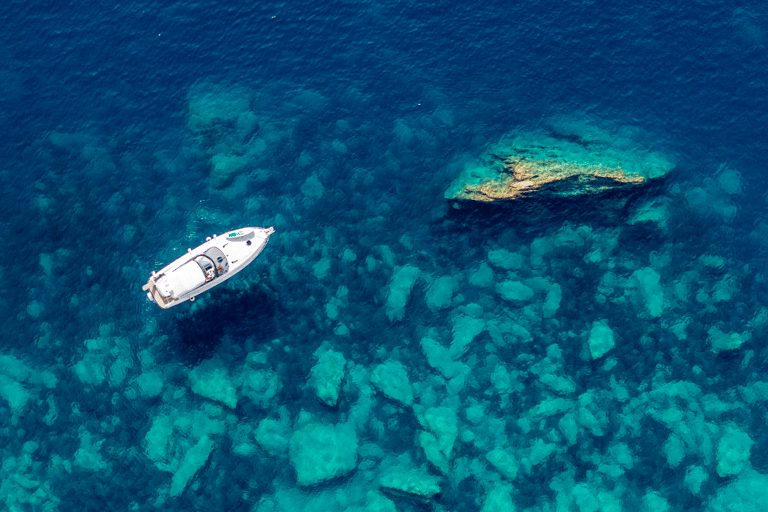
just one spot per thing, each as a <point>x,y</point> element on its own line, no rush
<point>238,313</point>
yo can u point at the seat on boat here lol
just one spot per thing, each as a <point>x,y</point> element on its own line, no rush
<point>182,280</point>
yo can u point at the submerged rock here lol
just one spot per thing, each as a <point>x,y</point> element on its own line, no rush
<point>273,436</point>
<point>503,462</point>
<point>733,452</point>
<point>412,484</point>
<point>499,500</point>
<point>399,290</point>
<point>601,339</point>
<point>555,165</point>
<point>322,452</point>
<point>520,177</point>
<point>391,378</point>
<point>377,502</point>
<point>194,459</point>
<point>745,494</point>
<point>212,380</point>
<point>326,376</point>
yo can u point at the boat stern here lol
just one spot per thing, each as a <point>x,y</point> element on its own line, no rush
<point>154,295</point>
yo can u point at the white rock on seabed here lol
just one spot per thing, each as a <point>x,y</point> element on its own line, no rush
<point>194,459</point>
<point>414,484</point>
<point>273,436</point>
<point>391,378</point>
<point>440,434</point>
<point>721,341</point>
<point>499,500</point>
<point>649,283</point>
<point>503,462</point>
<point>23,484</point>
<point>259,382</point>
<point>440,293</point>
<point>322,452</point>
<point>601,339</point>
<point>326,376</point>
<point>150,384</point>
<point>465,330</point>
<point>400,287</point>
<point>654,502</point>
<point>654,212</point>
<point>442,421</point>
<point>482,276</point>
<point>439,357</point>
<point>745,494</point>
<point>16,380</point>
<point>211,380</point>
<point>733,451</point>
<point>506,260</point>
<point>514,291</point>
<point>88,456</point>
<point>377,502</point>
<point>14,393</point>
<point>552,302</point>
<point>695,476</point>
<point>174,431</point>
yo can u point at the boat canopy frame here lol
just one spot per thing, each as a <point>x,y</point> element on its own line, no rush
<point>213,259</point>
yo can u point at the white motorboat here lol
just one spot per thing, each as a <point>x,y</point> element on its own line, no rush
<point>206,266</point>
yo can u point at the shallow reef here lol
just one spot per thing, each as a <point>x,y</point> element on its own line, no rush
<point>386,352</point>
<point>552,164</point>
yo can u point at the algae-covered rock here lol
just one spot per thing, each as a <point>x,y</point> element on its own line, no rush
<point>321,452</point>
<point>556,164</point>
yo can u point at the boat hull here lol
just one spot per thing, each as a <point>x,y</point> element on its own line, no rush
<point>206,266</point>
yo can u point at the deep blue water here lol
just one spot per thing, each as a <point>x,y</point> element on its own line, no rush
<point>104,177</point>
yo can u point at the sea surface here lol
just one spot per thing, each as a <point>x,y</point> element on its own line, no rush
<point>390,349</point>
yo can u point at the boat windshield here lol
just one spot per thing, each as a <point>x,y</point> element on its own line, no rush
<point>218,259</point>
<point>213,263</point>
<point>206,264</point>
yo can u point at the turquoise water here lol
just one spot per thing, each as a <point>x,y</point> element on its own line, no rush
<point>389,350</point>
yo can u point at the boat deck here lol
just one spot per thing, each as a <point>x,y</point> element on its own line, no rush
<point>161,301</point>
